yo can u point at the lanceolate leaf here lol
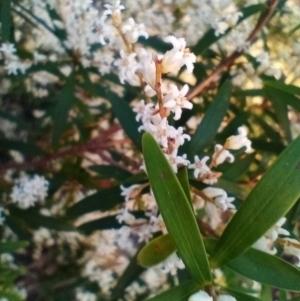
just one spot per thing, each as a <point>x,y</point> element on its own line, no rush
<point>65,102</point>
<point>271,199</point>
<point>35,220</point>
<point>178,293</point>
<point>183,179</point>
<point>282,86</point>
<point>111,172</point>
<point>282,96</point>
<point>11,246</point>
<point>156,251</point>
<point>126,117</point>
<point>264,268</point>
<point>241,296</point>
<point>210,124</point>
<point>267,269</point>
<point>176,211</point>
<point>101,200</point>
<point>6,20</point>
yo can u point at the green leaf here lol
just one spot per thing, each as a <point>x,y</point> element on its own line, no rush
<point>209,38</point>
<point>35,220</point>
<point>281,111</point>
<point>101,200</point>
<point>131,273</point>
<point>126,118</point>
<point>25,148</point>
<point>176,211</point>
<point>282,96</point>
<point>155,43</point>
<point>240,296</point>
<point>211,121</point>
<point>271,147</point>
<point>271,199</point>
<point>267,269</point>
<point>11,246</point>
<point>283,87</point>
<point>238,168</point>
<point>156,251</point>
<point>65,101</point>
<point>178,293</point>
<point>108,171</point>
<point>108,222</point>
<point>183,179</point>
<point>6,20</point>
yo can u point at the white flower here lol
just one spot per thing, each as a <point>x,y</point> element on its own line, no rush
<point>133,31</point>
<point>176,161</point>
<point>85,296</point>
<point>221,155</point>
<point>175,58</point>
<point>220,197</point>
<point>130,192</point>
<point>292,247</point>
<point>8,49</point>
<point>239,141</point>
<point>200,296</point>
<point>277,230</point>
<point>179,137</point>
<point>126,65</point>
<point>144,111</point>
<point>160,132</point>
<point>176,100</point>
<point>125,216</point>
<point>147,69</point>
<point>225,298</point>
<point>29,191</point>
<point>113,9</point>
<point>200,166</point>
<point>172,264</point>
<point>263,244</point>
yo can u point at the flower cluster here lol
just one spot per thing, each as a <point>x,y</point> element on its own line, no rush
<point>29,191</point>
<point>204,296</point>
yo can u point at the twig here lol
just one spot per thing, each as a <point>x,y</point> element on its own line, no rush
<point>228,62</point>
<point>95,145</point>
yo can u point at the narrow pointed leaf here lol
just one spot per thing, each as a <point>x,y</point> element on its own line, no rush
<point>178,293</point>
<point>156,251</point>
<point>11,246</point>
<point>6,20</point>
<point>130,274</point>
<point>176,211</point>
<point>271,199</point>
<point>211,121</point>
<point>109,171</point>
<point>267,269</point>
<point>65,102</point>
<point>101,200</point>
<point>238,168</point>
<point>126,117</point>
<point>262,267</point>
<point>240,296</point>
<point>282,96</point>
<point>35,220</point>
<point>183,179</point>
<point>282,86</point>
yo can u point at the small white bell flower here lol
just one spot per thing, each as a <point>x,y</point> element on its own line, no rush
<point>200,296</point>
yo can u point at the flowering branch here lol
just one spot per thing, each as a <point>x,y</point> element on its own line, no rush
<point>228,62</point>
